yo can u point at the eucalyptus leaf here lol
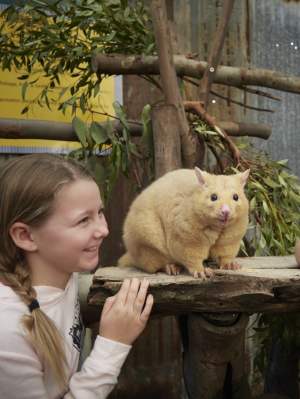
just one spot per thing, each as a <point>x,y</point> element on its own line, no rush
<point>24,89</point>
<point>98,133</point>
<point>81,130</point>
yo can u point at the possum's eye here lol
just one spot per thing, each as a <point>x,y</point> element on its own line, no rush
<point>235,197</point>
<point>214,197</point>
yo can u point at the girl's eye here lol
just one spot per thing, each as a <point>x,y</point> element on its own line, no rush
<point>235,197</point>
<point>83,220</point>
<point>214,197</point>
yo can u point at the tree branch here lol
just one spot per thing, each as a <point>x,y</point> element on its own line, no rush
<point>215,53</point>
<point>49,130</point>
<point>171,92</point>
<point>116,64</point>
<point>197,108</point>
<point>229,99</point>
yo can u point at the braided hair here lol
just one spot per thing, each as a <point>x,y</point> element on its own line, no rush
<point>28,185</point>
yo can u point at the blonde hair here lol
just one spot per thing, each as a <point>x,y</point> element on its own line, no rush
<point>28,185</point>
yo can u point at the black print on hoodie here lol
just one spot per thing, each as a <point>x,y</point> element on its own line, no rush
<point>76,331</point>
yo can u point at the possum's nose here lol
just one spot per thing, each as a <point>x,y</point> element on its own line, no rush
<point>225,211</point>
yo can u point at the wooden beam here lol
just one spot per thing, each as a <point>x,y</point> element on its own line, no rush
<point>263,284</point>
<point>49,130</point>
<point>116,64</point>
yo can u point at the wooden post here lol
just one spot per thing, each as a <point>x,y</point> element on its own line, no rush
<point>166,139</point>
<point>214,356</point>
<point>187,144</point>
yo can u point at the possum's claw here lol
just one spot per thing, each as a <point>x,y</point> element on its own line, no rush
<point>172,270</point>
<point>207,272</point>
<point>231,266</point>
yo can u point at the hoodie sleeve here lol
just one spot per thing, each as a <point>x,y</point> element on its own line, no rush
<point>22,376</point>
<point>21,373</point>
<point>100,371</point>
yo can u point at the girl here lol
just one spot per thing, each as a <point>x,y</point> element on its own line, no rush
<point>52,225</point>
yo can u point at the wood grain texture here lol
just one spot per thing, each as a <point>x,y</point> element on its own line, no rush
<point>263,284</point>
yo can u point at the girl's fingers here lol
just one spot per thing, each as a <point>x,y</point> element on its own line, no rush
<point>141,296</point>
<point>133,292</point>
<point>147,309</point>
<point>108,303</point>
<point>121,296</point>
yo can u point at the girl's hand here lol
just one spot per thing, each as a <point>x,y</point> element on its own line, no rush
<point>125,315</point>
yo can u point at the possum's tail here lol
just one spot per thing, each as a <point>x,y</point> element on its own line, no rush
<point>126,261</point>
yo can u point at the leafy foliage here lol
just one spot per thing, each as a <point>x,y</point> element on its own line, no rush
<point>118,147</point>
<point>273,192</point>
<point>51,38</point>
<point>274,195</point>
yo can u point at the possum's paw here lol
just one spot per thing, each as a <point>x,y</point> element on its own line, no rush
<point>203,274</point>
<point>230,266</point>
<point>172,270</point>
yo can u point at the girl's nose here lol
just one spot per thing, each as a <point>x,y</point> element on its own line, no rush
<point>101,228</point>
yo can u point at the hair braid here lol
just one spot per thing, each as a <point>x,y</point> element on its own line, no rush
<point>38,326</point>
<point>28,186</point>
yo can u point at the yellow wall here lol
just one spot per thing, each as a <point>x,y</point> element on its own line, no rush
<point>11,105</point>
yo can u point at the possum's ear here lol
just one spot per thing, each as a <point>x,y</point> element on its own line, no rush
<point>201,176</point>
<point>244,177</point>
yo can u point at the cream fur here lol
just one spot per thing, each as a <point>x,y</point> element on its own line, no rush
<point>175,221</point>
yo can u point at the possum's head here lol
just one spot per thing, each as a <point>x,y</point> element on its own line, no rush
<point>220,199</point>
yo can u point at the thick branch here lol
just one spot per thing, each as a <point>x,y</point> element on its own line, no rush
<point>49,130</point>
<point>170,83</point>
<point>239,129</point>
<point>136,65</point>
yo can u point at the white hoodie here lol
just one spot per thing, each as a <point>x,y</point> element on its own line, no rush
<point>21,373</point>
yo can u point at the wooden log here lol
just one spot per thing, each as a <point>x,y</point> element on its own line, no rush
<point>49,130</point>
<point>188,144</point>
<point>166,138</point>
<point>263,284</point>
<point>214,359</point>
<point>115,64</point>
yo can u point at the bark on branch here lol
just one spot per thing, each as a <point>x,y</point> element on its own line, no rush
<point>178,125</point>
<point>117,64</point>
<point>49,130</point>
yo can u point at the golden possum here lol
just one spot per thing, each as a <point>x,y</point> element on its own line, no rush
<point>185,217</point>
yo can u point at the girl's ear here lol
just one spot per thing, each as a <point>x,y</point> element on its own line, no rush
<point>21,236</point>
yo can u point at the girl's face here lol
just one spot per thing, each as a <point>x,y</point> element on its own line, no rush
<point>70,238</point>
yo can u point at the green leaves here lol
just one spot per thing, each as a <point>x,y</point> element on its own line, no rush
<point>274,195</point>
<point>59,37</point>
<point>81,131</point>
<point>98,133</point>
<point>107,148</point>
